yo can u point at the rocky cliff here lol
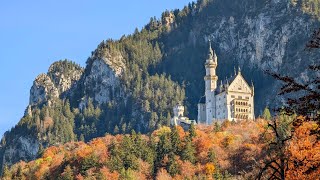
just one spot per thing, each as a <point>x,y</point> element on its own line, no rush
<point>61,76</point>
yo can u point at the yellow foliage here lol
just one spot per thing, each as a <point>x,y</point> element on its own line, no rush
<point>210,168</point>
<point>161,131</point>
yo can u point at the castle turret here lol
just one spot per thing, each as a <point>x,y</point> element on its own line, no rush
<point>178,110</point>
<point>211,65</point>
<point>211,84</point>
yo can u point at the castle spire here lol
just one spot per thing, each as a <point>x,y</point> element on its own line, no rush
<point>210,54</point>
<point>239,70</point>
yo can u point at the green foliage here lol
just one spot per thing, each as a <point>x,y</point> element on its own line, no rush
<point>266,114</point>
<point>212,156</point>
<point>217,127</point>
<point>67,173</point>
<point>192,131</point>
<point>175,140</point>
<point>188,153</point>
<point>173,166</point>
<point>124,156</point>
<point>89,162</point>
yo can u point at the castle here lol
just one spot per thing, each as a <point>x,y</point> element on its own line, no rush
<point>232,99</point>
<point>178,116</point>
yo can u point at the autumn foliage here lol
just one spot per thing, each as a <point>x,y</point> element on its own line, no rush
<point>209,152</point>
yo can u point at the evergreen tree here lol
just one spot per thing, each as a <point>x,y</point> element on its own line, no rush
<point>266,114</point>
<point>217,127</point>
<point>175,140</point>
<point>188,153</point>
<point>212,156</point>
<point>173,166</point>
<point>192,131</point>
<point>67,173</point>
<point>116,130</point>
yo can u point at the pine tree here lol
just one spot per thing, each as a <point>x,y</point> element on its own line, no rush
<point>212,156</point>
<point>188,153</point>
<point>266,114</point>
<point>175,140</point>
<point>173,166</point>
<point>116,130</point>
<point>67,173</point>
<point>192,131</point>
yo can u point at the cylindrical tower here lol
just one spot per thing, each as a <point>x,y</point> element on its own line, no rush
<point>211,84</point>
<point>211,65</point>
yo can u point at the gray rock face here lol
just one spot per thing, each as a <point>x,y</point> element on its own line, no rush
<point>262,40</point>
<point>103,80</point>
<point>62,75</point>
<point>254,35</point>
<point>23,148</point>
<point>42,90</point>
<point>271,38</point>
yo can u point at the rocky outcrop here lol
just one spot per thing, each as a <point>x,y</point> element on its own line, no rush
<point>43,90</point>
<point>62,75</point>
<point>102,82</point>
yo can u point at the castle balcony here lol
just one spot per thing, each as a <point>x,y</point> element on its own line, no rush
<point>240,108</point>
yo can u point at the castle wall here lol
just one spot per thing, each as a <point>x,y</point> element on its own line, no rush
<point>210,107</point>
<point>245,97</point>
<point>221,106</point>
<point>202,113</point>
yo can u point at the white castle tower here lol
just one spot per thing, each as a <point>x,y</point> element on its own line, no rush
<point>178,110</point>
<point>233,99</point>
<point>210,84</point>
<point>178,116</point>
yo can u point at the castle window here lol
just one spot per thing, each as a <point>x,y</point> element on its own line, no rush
<point>240,97</point>
<point>232,96</point>
<point>247,97</point>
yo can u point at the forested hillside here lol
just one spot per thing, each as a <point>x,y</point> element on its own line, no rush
<point>133,83</point>
<point>230,150</point>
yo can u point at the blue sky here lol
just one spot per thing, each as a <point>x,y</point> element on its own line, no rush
<point>34,34</point>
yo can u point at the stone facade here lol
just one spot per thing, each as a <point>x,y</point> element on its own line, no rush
<point>232,99</point>
<point>178,116</point>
